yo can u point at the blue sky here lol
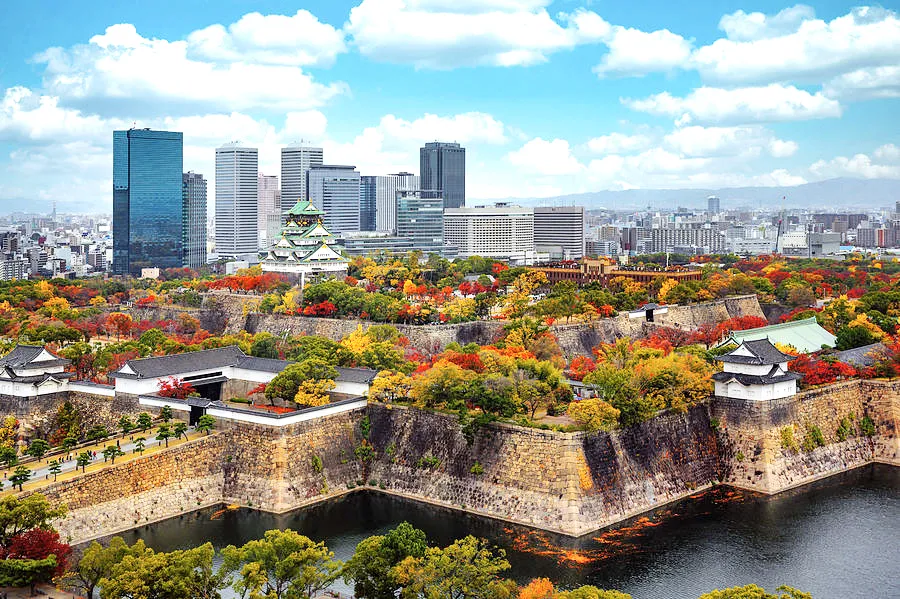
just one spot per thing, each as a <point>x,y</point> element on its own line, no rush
<point>549,97</point>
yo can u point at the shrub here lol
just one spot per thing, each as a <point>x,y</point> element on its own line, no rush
<point>317,464</point>
<point>813,438</point>
<point>867,426</point>
<point>429,462</point>
<point>365,427</point>
<point>845,429</point>
<point>364,452</point>
<point>477,469</point>
<point>787,439</point>
<point>740,456</point>
<point>240,400</point>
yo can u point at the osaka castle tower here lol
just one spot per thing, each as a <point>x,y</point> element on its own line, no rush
<point>305,247</point>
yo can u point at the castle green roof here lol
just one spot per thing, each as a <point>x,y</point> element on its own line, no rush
<point>304,208</point>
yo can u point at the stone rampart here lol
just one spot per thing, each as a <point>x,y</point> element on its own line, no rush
<point>38,415</point>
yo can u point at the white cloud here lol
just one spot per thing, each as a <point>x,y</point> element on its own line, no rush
<point>875,82</point>
<point>26,116</point>
<point>635,52</point>
<point>440,34</point>
<point>885,165</point>
<point>742,26</point>
<point>545,157</point>
<point>771,103</point>
<point>125,70</point>
<point>865,37</point>
<point>747,141</point>
<point>615,143</point>
<point>466,127</point>
<point>299,40</point>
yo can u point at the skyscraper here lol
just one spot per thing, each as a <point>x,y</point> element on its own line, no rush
<point>236,201</point>
<point>193,187</point>
<point>368,186</point>
<point>386,188</point>
<point>420,218</point>
<point>335,189</point>
<point>713,205</point>
<point>148,216</point>
<point>560,229</point>
<point>268,210</point>
<point>442,166</point>
<point>296,160</point>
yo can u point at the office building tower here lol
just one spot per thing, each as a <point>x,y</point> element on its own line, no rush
<point>500,231</point>
<point>386,188</point>
<point>560,231</point>
<point>148,218</point>
<point>296,160</point>
<point>713,205</point>
<point>442,166</point>
<point>193,187</point>
<point>335,189</point>
<point>420,219</point>
<point>237,171</point>
<point>367,202</point>
<point>268,209</point>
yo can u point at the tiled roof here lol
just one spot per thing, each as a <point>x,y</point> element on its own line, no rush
<point>763,353</point>
<point>776,375</point>
<point>263,364</point>
<point>805,335</point>
<point>23,355</point>
<point>219,357</point>
<point>356,375</point>
<point>861,356</point>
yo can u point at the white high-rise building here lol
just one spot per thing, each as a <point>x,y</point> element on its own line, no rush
<point>335,189</point>
<point>268,209</point>
<point>560,230</point>
<point>237,171</point>
<point>296,160</point>
<point>499,231</point>
<point>386,188</point>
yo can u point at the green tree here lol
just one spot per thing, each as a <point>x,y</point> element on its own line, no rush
<point>180,430</point>
<point>97,433</point>
<point>38,448</point>
<point>287,382</point>
<point>83,459</point>
<point>852,337</point>
<point>166,414</point>
<point>9,456</point>
<point>144,421</point>
<point>26,572</point>
<point>282,565</point>
<point>164,433</point>
<point>370,570</point>
<point>466,569</point>
<point>751,591</point>
<point>264,346</point>
<point>184,574</point>
<point>97,563</point>
<point>112,452</point>
<point>20,476</point>
<point>206,423</point>
<point>69,442</point>
<point>126,424</point>
<point>139,445</point>
<point>18,515</point>
<point>54,469</point>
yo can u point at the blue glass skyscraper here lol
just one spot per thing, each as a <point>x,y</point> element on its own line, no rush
<point>367,202</point>
<point>148,216</point>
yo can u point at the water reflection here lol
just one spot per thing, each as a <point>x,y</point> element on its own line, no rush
<point>837,538</point>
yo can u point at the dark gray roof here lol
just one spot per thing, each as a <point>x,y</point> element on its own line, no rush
<point>222,357</point>
<point>263,364</point>
<point>776,375</point>
<point>37,378</point>
<point>356,375</point>
<point>763,353</point>
<point>219,357</point>
<point>861,356</point>
<point>23,355</point>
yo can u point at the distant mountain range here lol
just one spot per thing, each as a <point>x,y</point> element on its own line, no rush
<point>832,194</point>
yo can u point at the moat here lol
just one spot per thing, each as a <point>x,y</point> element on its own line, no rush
<point>837,538</point>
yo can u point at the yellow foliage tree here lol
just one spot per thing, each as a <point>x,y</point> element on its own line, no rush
<point>8,431</point>
<point>356,342</point>
<point>98,301</point>
<point>44,289</point>
<point>676,381</point>
<point>539,588</point>
<point>462,308</point>
<point>594,414</point>
<point>55,305</point>
<point>313,392</point>
<point>389,386</point>
<point>862,320</point>
<point>666,288</point>
<point>288,302</point>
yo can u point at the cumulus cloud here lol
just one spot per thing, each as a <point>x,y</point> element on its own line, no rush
<point>770,103</point>
<point>546,157</point>
<point>26,117</point>
<point>633,52</point>
<point>298,40</point>
<point>440,34</point>
<point>616,143</point>
<point>807,49</point>
<point>728,141</point>
<point>883,163</point>
<point>120,69</point>
<point>862,84</point>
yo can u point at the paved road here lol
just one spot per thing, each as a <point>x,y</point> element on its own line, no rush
<point>67,465</point>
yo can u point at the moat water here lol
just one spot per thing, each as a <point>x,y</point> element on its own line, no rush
<point>838,539</point>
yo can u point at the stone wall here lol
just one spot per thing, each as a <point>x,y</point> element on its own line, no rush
<point>37,416</point>
<point>567,482</point>
<point>759,458</point>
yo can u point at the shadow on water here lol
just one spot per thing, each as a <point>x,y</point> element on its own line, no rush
<point>836,538</point>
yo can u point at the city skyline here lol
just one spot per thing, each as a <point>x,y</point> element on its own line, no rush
<point>578,98</point>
